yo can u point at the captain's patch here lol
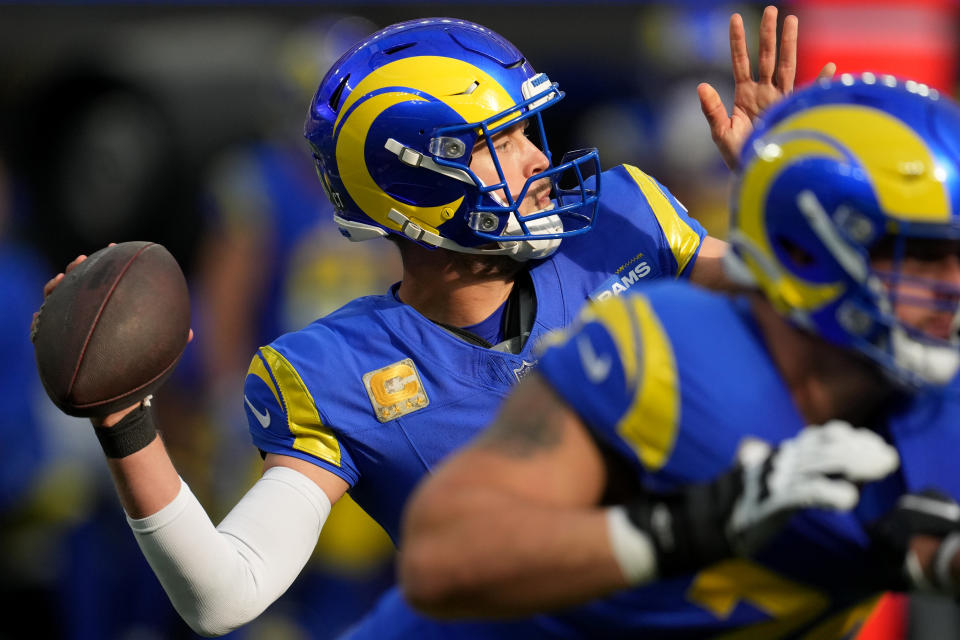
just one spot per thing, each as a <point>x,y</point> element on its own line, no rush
<point>395,390</point>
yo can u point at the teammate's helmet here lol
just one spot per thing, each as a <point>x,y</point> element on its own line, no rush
<point>833,176</point>
<point>393,126</point>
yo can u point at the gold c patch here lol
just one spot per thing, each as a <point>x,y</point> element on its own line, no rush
<point>395,390</point>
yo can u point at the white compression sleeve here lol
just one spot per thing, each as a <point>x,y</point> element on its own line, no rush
<point>220,578</point>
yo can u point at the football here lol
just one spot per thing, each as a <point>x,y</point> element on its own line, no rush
<point>113,329</point>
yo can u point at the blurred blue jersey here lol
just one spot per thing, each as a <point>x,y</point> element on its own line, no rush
<point>673,380</point>
<point>22,275</point>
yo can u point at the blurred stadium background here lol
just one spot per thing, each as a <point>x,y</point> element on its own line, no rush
<point>181,123</point>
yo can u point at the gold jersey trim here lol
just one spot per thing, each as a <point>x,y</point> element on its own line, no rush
<point>310,435</point>
<point>681,237</point>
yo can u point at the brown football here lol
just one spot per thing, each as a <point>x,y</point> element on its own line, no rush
<point>113,330</point>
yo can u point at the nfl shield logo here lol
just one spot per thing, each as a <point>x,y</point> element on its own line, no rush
<point>524,369</point>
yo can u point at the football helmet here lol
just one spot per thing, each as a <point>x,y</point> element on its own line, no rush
<point>393,126</point>
<point>834,176</point>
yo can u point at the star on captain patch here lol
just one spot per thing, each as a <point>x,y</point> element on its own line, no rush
<point>395,390</point>
<point>525,368</point>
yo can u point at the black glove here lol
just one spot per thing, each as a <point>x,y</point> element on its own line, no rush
<point>739,511</point>
<point>931,513</point>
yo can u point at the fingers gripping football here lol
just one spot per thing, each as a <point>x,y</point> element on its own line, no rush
<point>111,328</point>
<point>820,468</point>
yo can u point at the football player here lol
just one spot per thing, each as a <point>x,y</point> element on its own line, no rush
<point>847,227</point>
<point>428,133</point>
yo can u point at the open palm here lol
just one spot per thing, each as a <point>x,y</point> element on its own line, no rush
<point>750,97</point>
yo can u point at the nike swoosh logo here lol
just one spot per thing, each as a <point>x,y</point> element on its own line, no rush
<point>262,418</point>
<point>596,368</point>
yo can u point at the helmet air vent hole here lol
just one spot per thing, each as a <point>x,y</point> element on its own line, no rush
<point>397,48</point>
<point>517,64</point>
<point>797,254</point>
<point>335,98</point>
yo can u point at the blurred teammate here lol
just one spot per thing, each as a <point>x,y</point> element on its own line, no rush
<point>428,133</point>
<point>847,224</point>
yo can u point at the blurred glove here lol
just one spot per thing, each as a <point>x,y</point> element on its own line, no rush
<point>821,467</point>
<point>739,511</point>
<point>930,513</point>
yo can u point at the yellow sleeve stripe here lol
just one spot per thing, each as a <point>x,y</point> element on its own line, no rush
<point>257,368</point>
<point>309,433</point>
<point>721,587</point>
<point>683,240</point>
<point>650,424</point>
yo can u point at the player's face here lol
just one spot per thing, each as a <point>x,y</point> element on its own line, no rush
<point>519,158</point>
<point>926,287</point>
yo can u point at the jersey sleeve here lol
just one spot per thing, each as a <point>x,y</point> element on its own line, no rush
<point>680,236</point>
<point>616,368</point>
<point>283,416</point>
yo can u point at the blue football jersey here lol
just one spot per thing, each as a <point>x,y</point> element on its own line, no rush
<point>673,380</point>
<point>927,435</point>
<point>378,394</point>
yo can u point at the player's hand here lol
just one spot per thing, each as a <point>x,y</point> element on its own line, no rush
<point>51,284</point>
<point>739,511</point>
<point>821,467</point>
<point>751,97</point>
<point>915,542</point>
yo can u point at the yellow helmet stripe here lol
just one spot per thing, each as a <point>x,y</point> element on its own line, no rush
<point>787,291</point>
<point>357,179</point>
<point>881,143</point>
<point>445,79</point>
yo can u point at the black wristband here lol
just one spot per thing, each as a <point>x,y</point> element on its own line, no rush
<point>134,432</point>
<point>688,527</point>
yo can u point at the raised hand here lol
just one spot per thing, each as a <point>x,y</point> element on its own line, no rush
<point>750,97</point>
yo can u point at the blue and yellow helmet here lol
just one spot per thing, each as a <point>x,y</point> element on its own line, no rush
<point>832,175</point>
<point>395,121</point>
